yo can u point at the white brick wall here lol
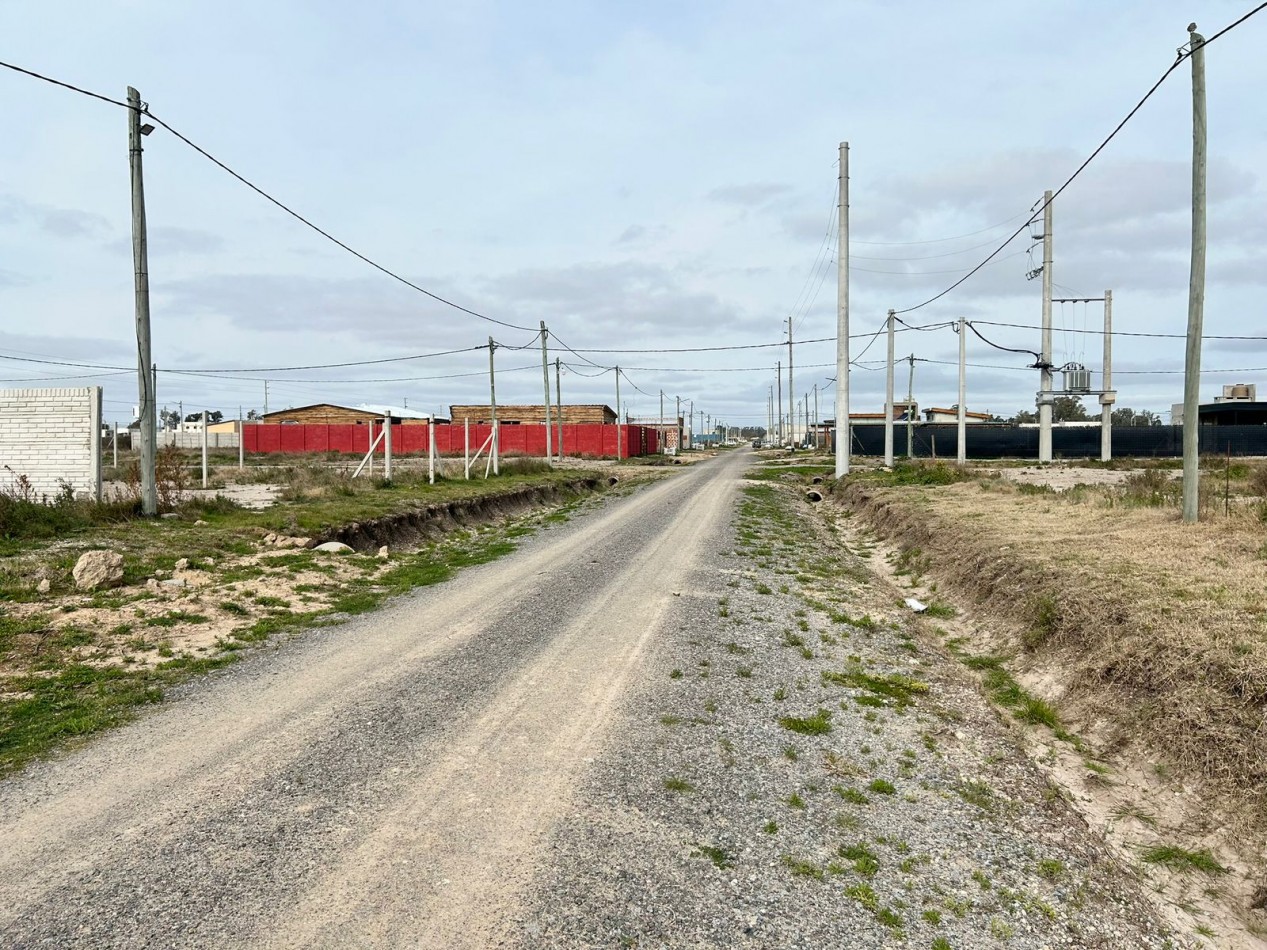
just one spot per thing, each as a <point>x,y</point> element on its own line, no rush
<point>51,436</point>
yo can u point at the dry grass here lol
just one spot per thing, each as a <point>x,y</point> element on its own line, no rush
<point>1159,628</point>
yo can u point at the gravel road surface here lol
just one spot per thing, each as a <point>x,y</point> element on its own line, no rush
<point>509,759</point>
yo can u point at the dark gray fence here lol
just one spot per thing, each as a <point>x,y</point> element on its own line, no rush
<point>992,441</point>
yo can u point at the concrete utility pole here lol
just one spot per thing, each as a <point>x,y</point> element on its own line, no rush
<point>791,409</point>
<point>241,442</point>
<point>691,435</point>
<point>778,370</point>
<point>387,447</point>
<point>1108,397</point>
<point>545,377</point>
<point>910,412</point>
<point>661,421</point>
<point>619,439</point>
<point>141,271</point>
<point>558,400</point>
<point>963,393</point>
<point>204,448</point>
<point>842,320</point>
<point>817,444</point>
<point>888,398</point>
<point>1045,397</point>
<point>677,422</point>
<point>492,403</point>
<point>1196,284</point>
<point>266,397</point>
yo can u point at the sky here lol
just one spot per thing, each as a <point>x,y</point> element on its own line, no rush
<point>641,177</point>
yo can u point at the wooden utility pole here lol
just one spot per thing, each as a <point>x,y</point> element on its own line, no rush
<point>558,400</point>
<point>619,430</point>
<point>888,398</point>
<point>910,411</point>
<point>140,262</point>
<point>1196,285</point>
<point>1045,397</point>
<point>791,391</point>
<point>842,320</point>
<point>545,376</point>
<point>492,403</point>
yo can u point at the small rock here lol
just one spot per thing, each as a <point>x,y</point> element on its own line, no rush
<point>198,522</point>
<point>173,582</point>
<point>383,552</point>
<point>43,586</point>
<point>182,564</point>
<point>170,515</point>
<point>270,538</point>
<point>333,547</point>
<point>98,569</point>
<point>211,562</point>
<point>152,583</point>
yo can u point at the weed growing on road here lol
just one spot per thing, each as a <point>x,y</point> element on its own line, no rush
<point>816,725</point>
<point>675,784</point>
<point>719,856</point>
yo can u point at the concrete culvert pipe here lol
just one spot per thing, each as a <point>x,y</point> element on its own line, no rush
<point>612,479</point>
<point>813,495</point>
<point>817,480</point>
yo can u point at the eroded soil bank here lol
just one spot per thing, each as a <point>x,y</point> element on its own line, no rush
<point>1142,637</point>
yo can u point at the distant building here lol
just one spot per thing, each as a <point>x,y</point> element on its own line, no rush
<point>515,415</point>
<point>952,415</point>
<point>1238,406</point>
<point>326,413</point>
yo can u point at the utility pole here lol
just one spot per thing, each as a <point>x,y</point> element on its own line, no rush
<point>619,431</point>
<point>778,369</point>
<point>817,446</point>
<point>910,412</point>
<point>963,393</point>
<point>204,448</point>
<point>1196,284</point>
<point>677,423</point>
<point>662,432</point>
<point>1045,397</point>
<point>492,403</point>
<point>888,398</point>
<point>842,320</point>
<point>141,272</point>
<point>691,440</point>
<point>266,397</point>
<point>545,377</point>
<point>558,400</point>
<point>1108,397</point>
<point>791,409</point>
<point>241,442</point>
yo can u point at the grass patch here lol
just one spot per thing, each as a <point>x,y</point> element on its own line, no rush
<point>816,725</point>
<point>1181,859</point>
<point>675,784</point>
<point>895,687</point>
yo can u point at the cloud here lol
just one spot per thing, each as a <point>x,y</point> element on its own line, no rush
<point>619,301</point>
<point>70,223</point>
<point>750,195</point>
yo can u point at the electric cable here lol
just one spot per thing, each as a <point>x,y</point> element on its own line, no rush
<point>1183,54</point>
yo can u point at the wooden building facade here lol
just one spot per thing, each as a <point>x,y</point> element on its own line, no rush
<point>534,415</point>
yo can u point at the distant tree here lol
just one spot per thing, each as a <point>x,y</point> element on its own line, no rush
<point>252,415</point>
<point>169,418</point>
<point>215,416</point>
<point>1024,415</point>
<point>1068,409</point>
<point>1127,416</point>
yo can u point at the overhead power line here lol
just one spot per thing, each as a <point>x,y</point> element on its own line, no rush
<point>268,197</point>
<point>1182,55</point>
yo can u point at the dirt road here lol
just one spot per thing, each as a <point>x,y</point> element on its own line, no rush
<point>507,760</point>
<point>380,783</point>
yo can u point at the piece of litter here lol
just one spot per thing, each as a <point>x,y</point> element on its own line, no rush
<point>915,605</point>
